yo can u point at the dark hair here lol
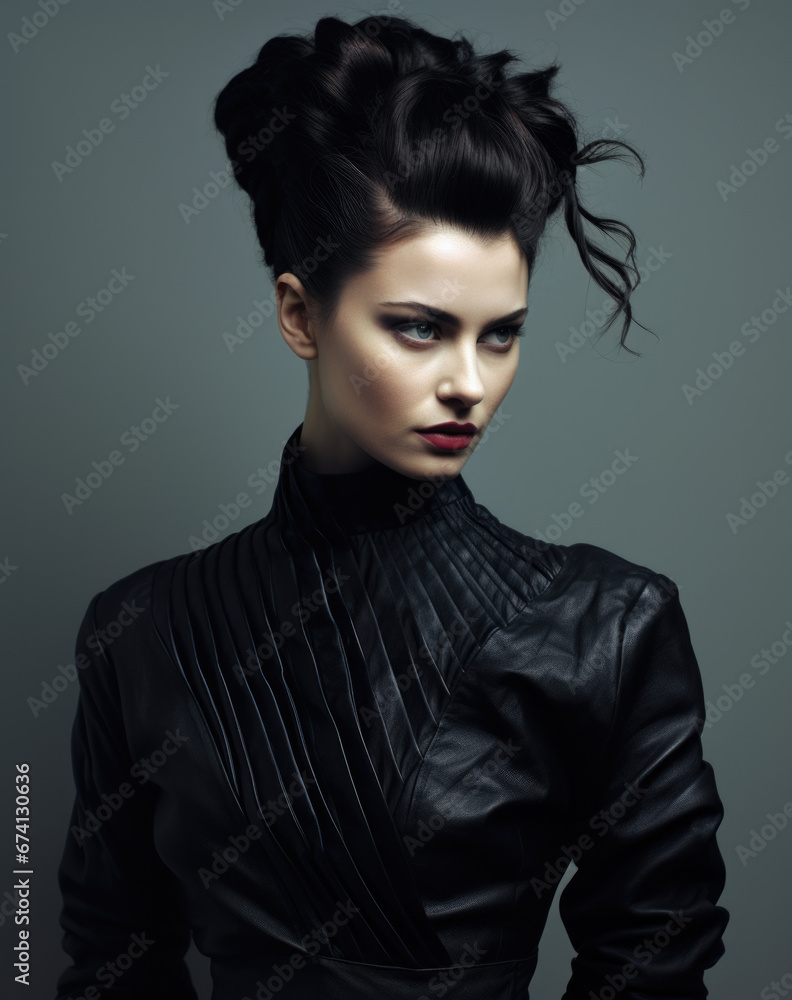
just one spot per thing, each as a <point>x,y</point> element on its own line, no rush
<point>356,136</point>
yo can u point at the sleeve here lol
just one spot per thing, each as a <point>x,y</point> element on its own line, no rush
<point>122,915</point>
<point>641,908</point>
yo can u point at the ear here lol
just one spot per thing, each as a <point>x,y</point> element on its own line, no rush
<point>294,320</point>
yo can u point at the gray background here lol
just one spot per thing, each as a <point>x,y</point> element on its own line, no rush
<point>561,422</point>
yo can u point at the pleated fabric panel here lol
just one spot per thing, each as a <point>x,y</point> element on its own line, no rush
<point>321,647</point>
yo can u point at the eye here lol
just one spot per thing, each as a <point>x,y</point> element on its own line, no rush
<point>400,328</point>
<point>510,332</point>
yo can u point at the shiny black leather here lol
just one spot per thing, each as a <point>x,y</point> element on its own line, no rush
<point>362,737</point>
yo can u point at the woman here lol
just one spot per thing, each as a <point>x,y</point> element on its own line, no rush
<point>354,746</point>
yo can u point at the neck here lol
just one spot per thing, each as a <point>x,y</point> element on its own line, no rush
<point>324,449</point>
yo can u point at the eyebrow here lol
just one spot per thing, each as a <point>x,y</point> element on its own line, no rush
<point>454,321</point>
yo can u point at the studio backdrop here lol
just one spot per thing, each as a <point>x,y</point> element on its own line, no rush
<point>148,393</point>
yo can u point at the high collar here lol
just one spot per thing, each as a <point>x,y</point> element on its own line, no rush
<point>335,506</point>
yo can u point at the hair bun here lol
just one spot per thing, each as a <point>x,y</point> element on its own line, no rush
<point>249,110</point>
<point>359,134</point>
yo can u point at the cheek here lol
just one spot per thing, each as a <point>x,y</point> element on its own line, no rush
<point>399,385</point>
<point>377,382</point>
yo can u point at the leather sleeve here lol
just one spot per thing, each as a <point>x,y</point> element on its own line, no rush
<point>122,918</point>
<point>641,909</point>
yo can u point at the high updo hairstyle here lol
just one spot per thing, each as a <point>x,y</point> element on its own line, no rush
<point>357,136</point>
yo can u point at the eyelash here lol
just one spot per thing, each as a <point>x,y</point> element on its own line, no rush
<point>515,331</point>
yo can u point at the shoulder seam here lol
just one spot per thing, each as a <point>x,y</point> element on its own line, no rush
<point>617,693</point>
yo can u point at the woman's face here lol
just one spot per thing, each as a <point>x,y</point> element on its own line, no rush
<point>383,371</point>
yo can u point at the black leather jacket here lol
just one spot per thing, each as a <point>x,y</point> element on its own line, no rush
<point>354,745</point>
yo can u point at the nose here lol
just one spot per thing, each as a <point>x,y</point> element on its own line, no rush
<point>461,381</point>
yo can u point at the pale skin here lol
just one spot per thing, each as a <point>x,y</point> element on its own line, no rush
<point>371,388</point>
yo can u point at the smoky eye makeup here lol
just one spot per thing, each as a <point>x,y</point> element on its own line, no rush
<point>398,325</point>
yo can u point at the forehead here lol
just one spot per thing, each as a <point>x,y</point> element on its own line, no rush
<point>444,264</point>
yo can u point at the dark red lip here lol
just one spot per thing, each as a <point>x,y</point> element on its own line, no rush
<point>450,427</point>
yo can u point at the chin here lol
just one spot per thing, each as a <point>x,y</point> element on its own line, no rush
<point>419,463</point>
<point>435,466</point>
